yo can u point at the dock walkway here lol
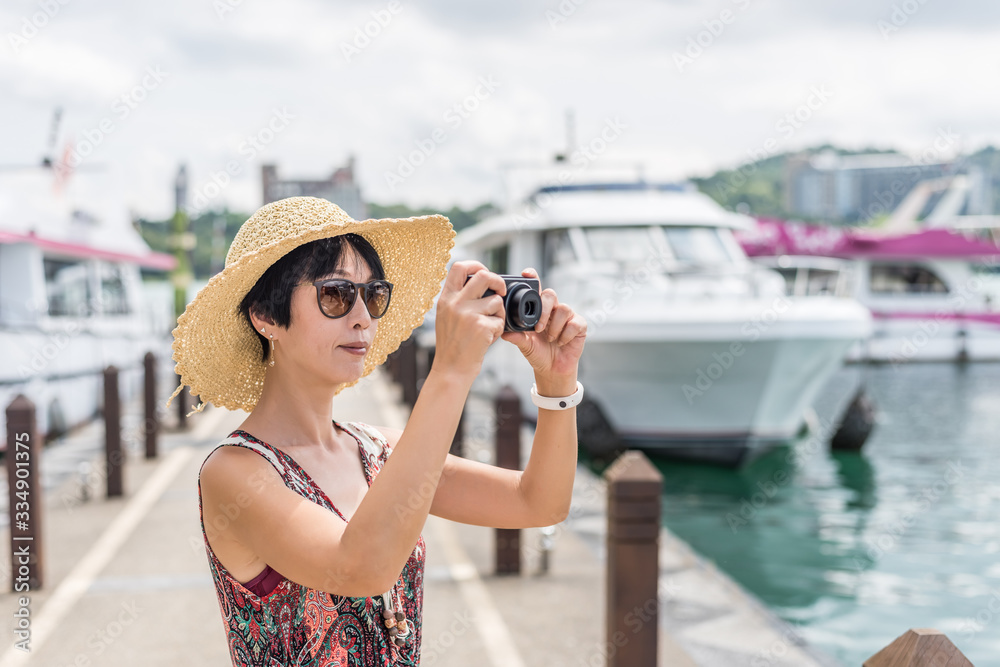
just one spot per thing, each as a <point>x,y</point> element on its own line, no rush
<point>127,579</point>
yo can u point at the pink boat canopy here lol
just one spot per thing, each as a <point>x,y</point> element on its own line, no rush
<point>781,237</point>
<point>152,260</point>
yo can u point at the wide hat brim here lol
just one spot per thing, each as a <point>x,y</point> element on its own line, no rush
<point>217,353</point>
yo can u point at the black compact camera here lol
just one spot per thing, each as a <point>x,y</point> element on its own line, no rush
<point>522,304</point>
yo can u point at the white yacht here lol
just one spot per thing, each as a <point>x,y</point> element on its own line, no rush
<point>692,350</point>
<point>72,300</point>
<point>933,293</point>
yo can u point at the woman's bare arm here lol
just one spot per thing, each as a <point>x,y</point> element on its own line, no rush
<point>311,545</point>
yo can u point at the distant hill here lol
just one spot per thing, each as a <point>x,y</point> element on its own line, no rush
<point>215,231</point>
<point>759,188</point>
<point>460,218</point>
<point>756,188</point>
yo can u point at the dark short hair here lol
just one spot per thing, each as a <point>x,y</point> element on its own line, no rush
<point>271,296</point>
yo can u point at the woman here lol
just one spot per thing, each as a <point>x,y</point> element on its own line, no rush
<point>312,533</point>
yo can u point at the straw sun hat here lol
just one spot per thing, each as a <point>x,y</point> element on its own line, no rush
<point>216,351</point>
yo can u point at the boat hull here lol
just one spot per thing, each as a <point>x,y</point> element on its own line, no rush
<point>929,337</point>
<point>61,371</point>
<point>718,392</point>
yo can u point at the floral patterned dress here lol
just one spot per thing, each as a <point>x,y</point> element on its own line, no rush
<point>286,623</point>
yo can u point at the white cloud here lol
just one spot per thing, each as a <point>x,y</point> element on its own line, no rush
<point>606,60</point>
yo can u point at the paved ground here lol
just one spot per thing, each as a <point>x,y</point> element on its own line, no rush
<point>127,580</point>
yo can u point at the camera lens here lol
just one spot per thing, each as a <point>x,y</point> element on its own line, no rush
<point>524,306</point>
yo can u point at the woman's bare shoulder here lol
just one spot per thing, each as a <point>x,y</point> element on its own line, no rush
<point>233,469</point>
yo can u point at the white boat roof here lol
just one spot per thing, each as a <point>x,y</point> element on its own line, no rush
<point>88,212</point>
<point>609,204</point>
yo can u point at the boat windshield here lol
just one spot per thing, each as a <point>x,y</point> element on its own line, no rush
<point>627,246</point>
<point>697,245</point>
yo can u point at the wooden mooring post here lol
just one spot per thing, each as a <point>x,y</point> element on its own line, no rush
<point>508,455</point>
<point>23,459</point>
<point>920,647</point>
<point>634,486</point>
<point>112,432</point>
<point>151,421</point>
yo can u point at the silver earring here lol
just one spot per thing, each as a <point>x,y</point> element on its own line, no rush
<point>272,349</point>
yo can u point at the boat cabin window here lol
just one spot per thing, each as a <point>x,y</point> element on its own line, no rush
<point>697,245</point>
<point>628,246</point>
<point>905,279</point>
<point>497,257</point>
<point>67,285</point>
<point>114,299</point>
<point>822,282</point>
<point>558,250</point>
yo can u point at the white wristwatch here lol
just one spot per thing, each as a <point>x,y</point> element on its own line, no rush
<point>557,402</point>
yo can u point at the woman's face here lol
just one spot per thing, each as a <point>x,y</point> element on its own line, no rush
<point>327,350</point>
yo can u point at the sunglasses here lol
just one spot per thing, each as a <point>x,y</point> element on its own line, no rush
<point>336,296</point>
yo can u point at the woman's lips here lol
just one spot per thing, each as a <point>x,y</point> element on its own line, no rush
<point>359,351</point>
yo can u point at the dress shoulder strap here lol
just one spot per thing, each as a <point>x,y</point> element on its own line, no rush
<point>374,442</point>
<point>267,453</point>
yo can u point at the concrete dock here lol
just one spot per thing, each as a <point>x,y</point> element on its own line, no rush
<point>127,579</point>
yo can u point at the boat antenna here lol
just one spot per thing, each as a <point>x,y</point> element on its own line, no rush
<point>570,137</point>
<point>49,157</point>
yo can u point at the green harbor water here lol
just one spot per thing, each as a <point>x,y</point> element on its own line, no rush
<point>854,549</point>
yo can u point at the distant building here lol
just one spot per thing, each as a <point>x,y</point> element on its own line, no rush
<point>339,188</point>
<point>854,188</point>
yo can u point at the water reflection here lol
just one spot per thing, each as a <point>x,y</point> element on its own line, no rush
<point>857,548</point>
<point>856,472</point>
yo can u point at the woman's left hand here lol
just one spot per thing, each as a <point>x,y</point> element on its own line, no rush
<point>555,345</point>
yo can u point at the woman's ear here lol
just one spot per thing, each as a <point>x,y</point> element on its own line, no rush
<point>259,321</point>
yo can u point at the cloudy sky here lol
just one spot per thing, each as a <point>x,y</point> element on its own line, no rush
<point>433,98</point>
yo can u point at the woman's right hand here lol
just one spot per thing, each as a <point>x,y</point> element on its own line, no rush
<point>465,323</point>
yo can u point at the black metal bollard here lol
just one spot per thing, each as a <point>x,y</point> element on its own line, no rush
<point>182,406</point>
<point>633,565</point>
<point>458,442</point>
<point>151,424</point>
<point>112,432</point>
<point>392,365</point>
<point>408,370</point>
<point>25,504</point>
<point>508,452</point>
